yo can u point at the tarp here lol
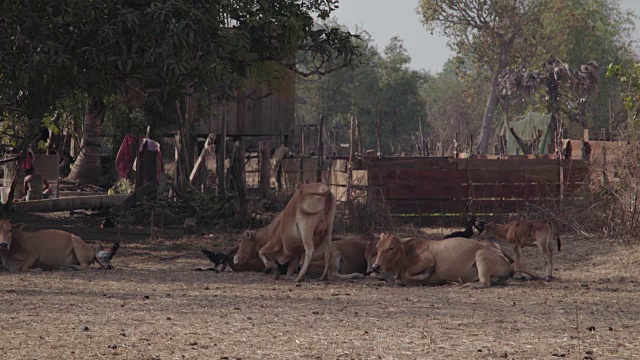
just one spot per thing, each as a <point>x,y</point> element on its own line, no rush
<point>529,128</point>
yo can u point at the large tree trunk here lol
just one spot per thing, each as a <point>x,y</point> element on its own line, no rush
<point>86,168</point>
<point>489,112</point>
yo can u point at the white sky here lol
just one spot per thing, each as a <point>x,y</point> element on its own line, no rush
<point>387,18</point>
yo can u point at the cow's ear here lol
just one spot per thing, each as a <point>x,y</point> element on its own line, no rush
<point>17,226</point>
<point>249,234</point>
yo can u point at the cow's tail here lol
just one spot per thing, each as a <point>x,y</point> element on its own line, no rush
<point>519,267</point>
<point>555,232</point>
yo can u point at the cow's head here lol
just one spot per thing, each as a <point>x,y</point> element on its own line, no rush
<point>489,229</point>
<point>389,248</point>
<point>371,252</point>
<point>246,247</point>
<point>6,236</point>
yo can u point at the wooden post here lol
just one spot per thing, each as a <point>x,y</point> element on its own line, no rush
<point>139,160</point>
<point>320,151</point>
<point>359,139</point>
<point>302,151</point>
<point>351,158</point>
<point>237,174</point>
<point>378,133</point>
<point>421,149</point>
<point>202,158</point>
<point>302,144</point>
<point>605,176</point>
<point>222,154</point>
<point>265,168</point>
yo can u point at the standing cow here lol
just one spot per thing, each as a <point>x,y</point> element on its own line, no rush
<point>304,224</point>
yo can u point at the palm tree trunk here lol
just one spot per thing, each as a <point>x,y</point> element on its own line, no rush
<point>86,168</point>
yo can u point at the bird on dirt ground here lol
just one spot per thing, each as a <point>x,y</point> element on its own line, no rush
<point>217,258</point>
<point>469,223</point>
<point>104,256</point>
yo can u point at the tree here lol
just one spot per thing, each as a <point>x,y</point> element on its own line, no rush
<point>453,111</point>
<point>565,90</point>
<point>399,99</point>
<point>493,35</point>
<point>599,31</point>
<point>381,84</point>
<point>105,49</point>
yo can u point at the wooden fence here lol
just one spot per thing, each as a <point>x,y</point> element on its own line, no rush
<point>440,186</point>
<point>447,187</point>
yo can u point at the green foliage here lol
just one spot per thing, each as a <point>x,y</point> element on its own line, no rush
<point>629,77</point>
<point>491,36</point>
<point>57,47</point>
<point>123,186</point>
<point>595,30</point>
<point>381,83</point>
<point>454,111</point>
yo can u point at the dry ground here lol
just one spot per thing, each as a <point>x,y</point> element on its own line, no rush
<point>154,306</point>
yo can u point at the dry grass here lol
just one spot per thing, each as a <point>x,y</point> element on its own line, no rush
<point>149,308</point>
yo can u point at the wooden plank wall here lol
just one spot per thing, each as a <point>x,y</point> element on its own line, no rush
<point>254,115</point>
<point>441,187</point>
<point>436,186</point>
<point>337,177</point>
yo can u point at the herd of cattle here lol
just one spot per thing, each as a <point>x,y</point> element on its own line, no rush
<point>300,240</point>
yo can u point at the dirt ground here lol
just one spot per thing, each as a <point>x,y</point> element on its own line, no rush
<point>154,306</point>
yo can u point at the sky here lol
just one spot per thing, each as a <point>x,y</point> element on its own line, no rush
<point>384,19</point>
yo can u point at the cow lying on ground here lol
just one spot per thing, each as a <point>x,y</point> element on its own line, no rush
<point>524,233</point>
<point>245,255</point>
<point>304,224</point>
<point>348,260</point>
<point>472,262</point>
<point>45,249</point>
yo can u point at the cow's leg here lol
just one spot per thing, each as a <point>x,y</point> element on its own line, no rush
<point>517,255</point>
<point>269,263</point>
<point>484,273</point>
<point>334,272</point>
<point>307,240</point>
<point>548,259</point>
<point>425,275</point>
<point>292,267</point>
<point>517,252</point>
<point>28,263</point>
<point>80,250</point>
<point>328,234</point>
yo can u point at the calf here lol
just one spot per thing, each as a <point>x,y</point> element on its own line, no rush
<point>525,233</point>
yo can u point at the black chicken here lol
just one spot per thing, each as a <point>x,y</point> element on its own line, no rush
<point>217,258</point>
<point>469,223</point>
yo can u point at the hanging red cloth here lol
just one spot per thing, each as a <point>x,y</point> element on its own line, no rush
<point>127,155</point>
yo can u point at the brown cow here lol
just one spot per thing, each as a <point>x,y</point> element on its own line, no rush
<point>305,223</point>
<point>46,249</point>
<point>348,258</point>
<point>469,261</point>
<point>245,253</point>
<point>524,233</point>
